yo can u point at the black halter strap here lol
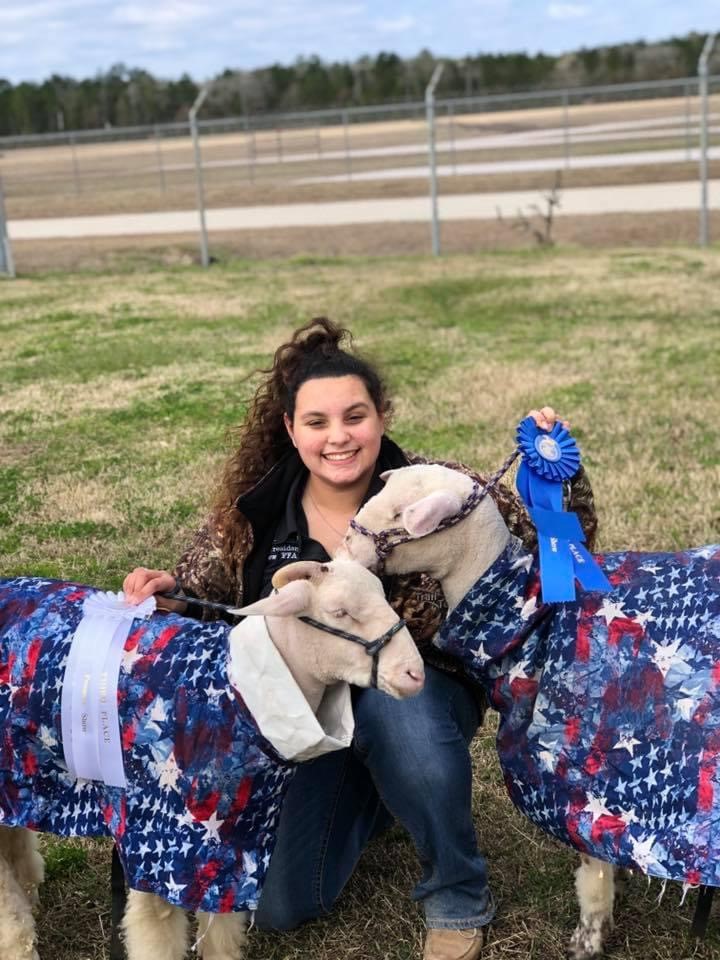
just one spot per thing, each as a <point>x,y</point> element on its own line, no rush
<point>372,647</point>
<point>386,540</point>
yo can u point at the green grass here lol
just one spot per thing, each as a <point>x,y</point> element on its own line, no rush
<point>116,395</point>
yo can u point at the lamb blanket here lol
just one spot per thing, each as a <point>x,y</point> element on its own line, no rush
<point>609,736</point>
<point>204,780</point>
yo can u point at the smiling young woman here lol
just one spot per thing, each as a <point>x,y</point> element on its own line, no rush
<point>310,452</point>
<point>337,433</point>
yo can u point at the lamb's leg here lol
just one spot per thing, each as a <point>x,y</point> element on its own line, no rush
<point>154,929</point>
<point>222,936</point>
<point>21,849</point>
<point>17,925</point>
<point>594,882</point>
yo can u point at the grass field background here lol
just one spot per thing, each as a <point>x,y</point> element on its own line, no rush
<point>117,391</point>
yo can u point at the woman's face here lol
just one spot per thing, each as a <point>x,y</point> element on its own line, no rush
<point>336,430</point>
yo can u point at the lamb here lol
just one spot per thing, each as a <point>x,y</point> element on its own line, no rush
<point>610,729</point>
<point>212,719</point>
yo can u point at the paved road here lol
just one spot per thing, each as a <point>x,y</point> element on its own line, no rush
<point>662,128</point>
<point>586,162</point>
<point>636,198</point>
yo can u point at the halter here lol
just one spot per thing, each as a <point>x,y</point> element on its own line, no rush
<point>386,540</point>
<point>372,647</point>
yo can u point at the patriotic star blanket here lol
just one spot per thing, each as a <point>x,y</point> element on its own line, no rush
<point>196,821</point>
<point>609,737</point>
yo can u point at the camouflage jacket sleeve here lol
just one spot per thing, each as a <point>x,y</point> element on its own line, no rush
<point>202,572</point>
<point>580,500</point>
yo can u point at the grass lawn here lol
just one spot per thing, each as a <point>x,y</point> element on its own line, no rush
<point>117,392</point>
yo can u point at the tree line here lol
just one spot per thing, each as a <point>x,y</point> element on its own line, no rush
<point>124,96</point>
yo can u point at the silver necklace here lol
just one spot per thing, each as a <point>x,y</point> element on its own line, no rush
<point>340,533</point>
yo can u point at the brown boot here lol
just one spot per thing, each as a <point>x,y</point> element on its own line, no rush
<point>442,944</point>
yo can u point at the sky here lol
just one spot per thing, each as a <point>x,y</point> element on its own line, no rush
<point>79,38</point>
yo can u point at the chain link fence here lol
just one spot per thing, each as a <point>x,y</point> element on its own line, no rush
<point>625,133</point>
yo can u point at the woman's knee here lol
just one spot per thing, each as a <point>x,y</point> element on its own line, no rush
<point>441,717</point>
<point>418,768</point>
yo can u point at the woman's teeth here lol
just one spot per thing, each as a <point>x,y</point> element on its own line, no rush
<point>339,457</point>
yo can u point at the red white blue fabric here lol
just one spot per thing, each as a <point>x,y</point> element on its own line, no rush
<point>196,821</point>
<point>609,736</point>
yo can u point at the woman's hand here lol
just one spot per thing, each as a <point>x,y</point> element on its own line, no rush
<point>143,583</point>
<point>546,418</point>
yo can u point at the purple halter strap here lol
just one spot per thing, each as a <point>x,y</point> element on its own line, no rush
<point>386,540</point>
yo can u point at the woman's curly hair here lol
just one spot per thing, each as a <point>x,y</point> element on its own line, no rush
<point>314,350</point>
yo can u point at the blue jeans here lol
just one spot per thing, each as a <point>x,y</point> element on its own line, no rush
<point>410,761</point>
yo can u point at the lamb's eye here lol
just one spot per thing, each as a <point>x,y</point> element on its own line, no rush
<point>397,515</point>
<point>340,613</point>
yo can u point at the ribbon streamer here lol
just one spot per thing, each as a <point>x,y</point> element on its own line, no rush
<point>548,460</point>
<point>88,702</point>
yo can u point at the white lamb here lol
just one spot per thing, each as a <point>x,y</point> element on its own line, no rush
<point>610,727</point>
<point>279,683</point>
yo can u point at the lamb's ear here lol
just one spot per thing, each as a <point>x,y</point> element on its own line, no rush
<point>300,570</point>
<point>388,473</point>
<point>426,515</point>
<point>292,599</point>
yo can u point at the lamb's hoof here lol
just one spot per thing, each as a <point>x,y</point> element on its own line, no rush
<point>588,940</point>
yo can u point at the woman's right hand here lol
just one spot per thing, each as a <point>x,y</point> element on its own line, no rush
<point>143,583</point>
<point>546,418</point>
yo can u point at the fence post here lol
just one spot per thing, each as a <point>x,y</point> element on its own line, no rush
<point>566,126</point>
<point>76,168</point>
<point>704,119</point>
<point>451,128</point>
<point>346,137</point>
<point>158,149</point>
<point>7,264</point>
<point>251,152</point>
<point>430,116</point>
<point>192,117</point>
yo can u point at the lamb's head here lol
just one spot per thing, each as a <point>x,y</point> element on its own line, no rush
<point>413,503</point>
<point>346,596</point>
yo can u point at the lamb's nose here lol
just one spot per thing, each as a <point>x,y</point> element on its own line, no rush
<point>411,682</point>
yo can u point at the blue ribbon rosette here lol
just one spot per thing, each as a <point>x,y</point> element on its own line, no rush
<point>547,460</point>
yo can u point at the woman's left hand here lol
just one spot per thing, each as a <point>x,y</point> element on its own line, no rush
<point>546,418</point>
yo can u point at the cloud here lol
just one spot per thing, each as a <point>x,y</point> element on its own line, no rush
<point>170,13</point>
<point>284,30</point>
<point>396,25</point>
<point>284,15</point>
<point>35,12</point>
<point>11,38</point>
<point>161,44</point>
<point>567,11</point>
